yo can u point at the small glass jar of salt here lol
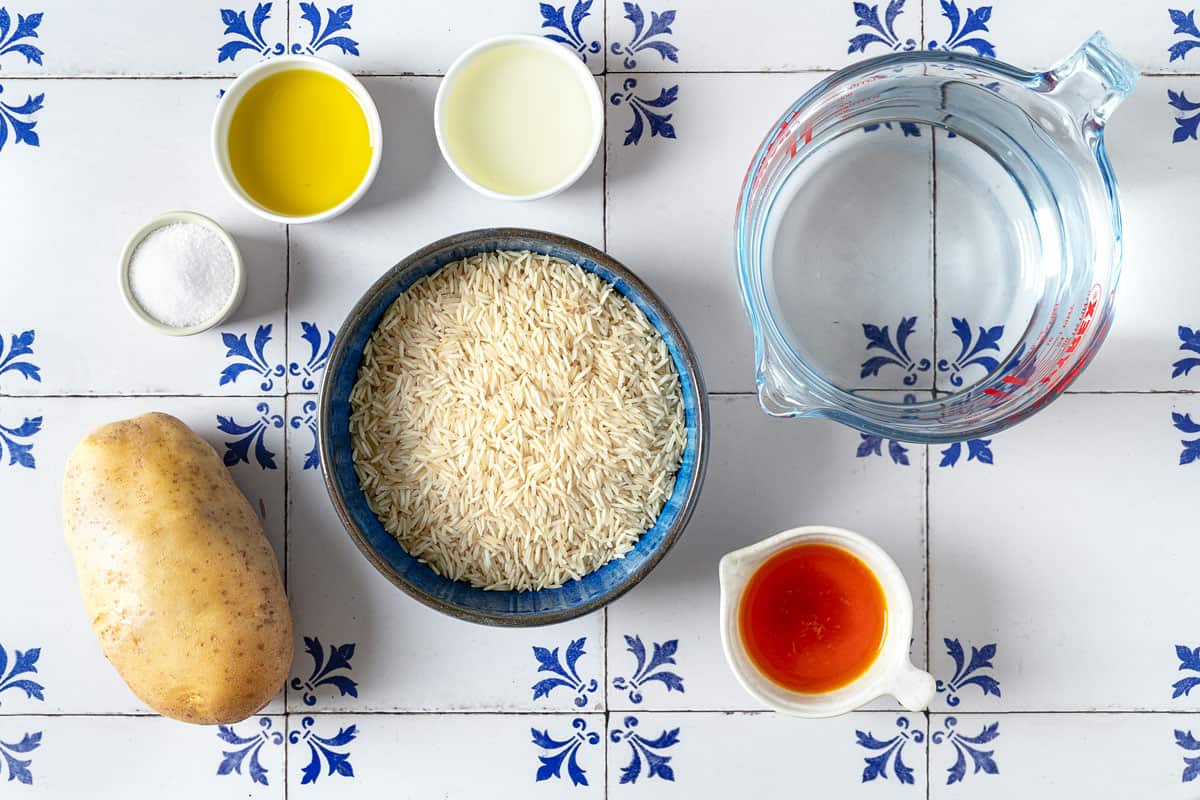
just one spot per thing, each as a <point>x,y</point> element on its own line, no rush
<point>182,274</point>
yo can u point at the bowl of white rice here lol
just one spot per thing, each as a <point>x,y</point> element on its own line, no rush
<point>513,427</point>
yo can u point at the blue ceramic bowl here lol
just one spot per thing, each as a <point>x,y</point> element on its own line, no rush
<point>459,598</point>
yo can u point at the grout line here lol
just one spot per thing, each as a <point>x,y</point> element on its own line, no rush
<point>822,70</point>
<point>933,231</point>
<point>136,396</point>
<point>753,712</point>
<point>604,175</point>
<point>286,741</point>
<point>928,614</point>
<point>287,489</point>
<point>748,393</point>
<point>605,741</point>
<point>933,241</point>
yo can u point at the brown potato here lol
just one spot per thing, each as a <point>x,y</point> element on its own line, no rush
<point>177,575</point>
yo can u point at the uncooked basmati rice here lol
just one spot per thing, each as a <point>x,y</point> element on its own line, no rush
<point>516,422</point>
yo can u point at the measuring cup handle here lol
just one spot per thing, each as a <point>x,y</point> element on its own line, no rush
<point>914,688</point>
<point>1092,81</point>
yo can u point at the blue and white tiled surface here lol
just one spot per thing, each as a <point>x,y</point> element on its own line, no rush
<point>1052,566</point>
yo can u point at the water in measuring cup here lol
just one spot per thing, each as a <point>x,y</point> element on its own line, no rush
<point>908,260</point>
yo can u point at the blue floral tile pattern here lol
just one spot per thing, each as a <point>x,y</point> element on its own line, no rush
<point>960,29</point>
<point>14,361</point>
<point>238,450</point>
<point>646,671</point>
<point>1189,339</point>
<point>327,750</point>
<point>644,113</point>
<point>308,419</point>
<point>879,338</point>
<point>244,360</point>
<point>246,750</point>
<point>18,769</point>
<point>972,353</point>
<point>964,32</point>
<point>648,750</point>
<point>20,454</point>
<point>1189,661</point>
<point>647,37</point>
<point>23,663</point>
<point>968,747</point>
<point>554,18</point>
<point>872,445</point>
<point>977,450</point>
<point>1191,447</point>
<point>14,39</point>
<point>327,672</point>
<point>319,346</point>
<point>889,750</point>
<point>1191,764</point>
<point>974,350</point>
<point>969,673</point>
<point>19,120</point>
<point>882,32</point>
<point>1185,128</point>
<point>242,35</point>
<point>1185,24</point>
<point>565,674</point>
<point>563,751</point>
<point>327,32</point>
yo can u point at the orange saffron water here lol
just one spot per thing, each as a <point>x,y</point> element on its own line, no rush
<point>813,618</point>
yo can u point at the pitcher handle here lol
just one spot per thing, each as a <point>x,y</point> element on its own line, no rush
<point>914,688</point>
<point>1091,82</point>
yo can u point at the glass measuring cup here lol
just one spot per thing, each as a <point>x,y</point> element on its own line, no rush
<point>888,164</point>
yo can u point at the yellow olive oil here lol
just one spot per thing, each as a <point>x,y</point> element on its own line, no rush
<point>517,120</point>
<point>299,142</point>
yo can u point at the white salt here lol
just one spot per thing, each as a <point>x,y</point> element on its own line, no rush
<point>182,274</point>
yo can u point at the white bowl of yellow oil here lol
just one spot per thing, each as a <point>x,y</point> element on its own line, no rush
<point>519,117</point>
<point>297,139</point>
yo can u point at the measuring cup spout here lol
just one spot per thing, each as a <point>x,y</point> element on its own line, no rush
<point>779,393</point>
<point>1091,82</point>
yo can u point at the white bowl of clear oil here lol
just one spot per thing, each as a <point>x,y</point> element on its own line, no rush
<point>297,139</point>
<point>519,117</point>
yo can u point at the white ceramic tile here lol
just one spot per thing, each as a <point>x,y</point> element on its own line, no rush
<point>404,656</point>
<point>448,756</point>
<point>38,589</point>
<point>759,35</point>
<point>1158,286</point>
<point>375,37</point>
<point>141,37</point>
<point>86,757</point>
<point>1036,35</point>
<point>764,476</point>
<point>670,218</point>
<point>1101,756</point>
<point>87,187</point>
<point>415,200</point>
<point>1062,575</point>
<point>766,755</point>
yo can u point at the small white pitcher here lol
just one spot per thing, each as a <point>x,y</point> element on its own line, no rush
<point>892,673</point>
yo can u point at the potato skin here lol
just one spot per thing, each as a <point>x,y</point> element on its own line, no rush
<point>178,578</point>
